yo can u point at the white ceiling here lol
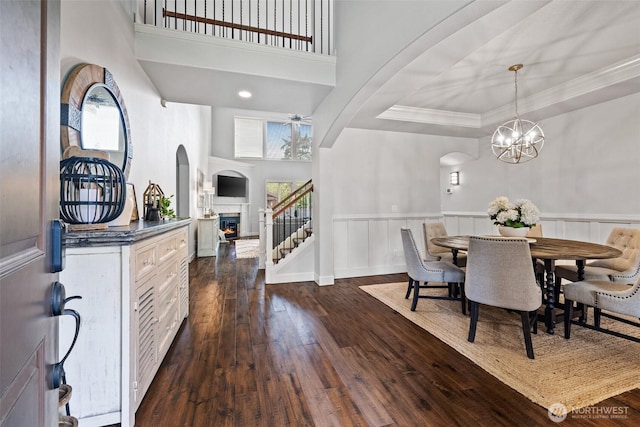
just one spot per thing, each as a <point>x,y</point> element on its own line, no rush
<point>575,53</point>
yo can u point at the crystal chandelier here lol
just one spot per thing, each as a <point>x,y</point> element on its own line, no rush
<point>518,140</point>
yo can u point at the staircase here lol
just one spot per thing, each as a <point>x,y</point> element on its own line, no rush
<point>292,241</point>
<point>292,221</point>
<point>285,230</point>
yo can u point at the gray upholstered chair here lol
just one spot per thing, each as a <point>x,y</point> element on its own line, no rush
<point>430,271</point>
<point>536,231</point>
<point>624,269</point>
<point>438,253</point>
<point>616,298</point>
<point>499,274</point>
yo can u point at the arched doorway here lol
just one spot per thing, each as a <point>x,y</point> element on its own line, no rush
<point>182,183</point>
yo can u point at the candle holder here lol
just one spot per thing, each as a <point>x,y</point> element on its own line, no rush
<point>152,202</point>
<point>92,192</point>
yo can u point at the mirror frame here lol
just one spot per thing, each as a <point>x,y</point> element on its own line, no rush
<point>82,78</point>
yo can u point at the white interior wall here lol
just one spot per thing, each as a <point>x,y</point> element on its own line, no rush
<point>374,171</point>
<point>589,166</point>
<point>101,32</point>
<point>383,181</point>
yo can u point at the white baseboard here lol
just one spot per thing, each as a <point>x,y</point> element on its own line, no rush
<point>293,277</point>
<point>100,420</point>
<point>324,280</point>
<point>371,271</point>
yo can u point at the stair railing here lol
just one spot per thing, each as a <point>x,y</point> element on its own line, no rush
<point>287,225</point>
<point>287,200</point>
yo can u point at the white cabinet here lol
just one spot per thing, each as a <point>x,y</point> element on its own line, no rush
<point>208,237</point>
<point>134,286</point>
<point>161,302</point>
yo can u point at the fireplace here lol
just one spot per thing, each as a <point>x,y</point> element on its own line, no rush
<point>230,225</point>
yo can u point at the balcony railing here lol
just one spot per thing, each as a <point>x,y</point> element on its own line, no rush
<point>304,25</point>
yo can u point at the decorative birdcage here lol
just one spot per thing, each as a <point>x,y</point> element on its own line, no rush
<point>152,199</point>
<point>92,192</point>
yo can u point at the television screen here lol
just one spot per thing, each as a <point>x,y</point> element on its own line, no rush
<point>231,186</point>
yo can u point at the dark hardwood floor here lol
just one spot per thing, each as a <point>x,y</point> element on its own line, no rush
<point>251,354</point>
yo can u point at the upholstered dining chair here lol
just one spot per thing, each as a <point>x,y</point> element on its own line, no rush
<point>430,271</point>
<point>438,253</point>
<point>615,298</point>
<point>536,231</point>
<point>624,269</point>
<point>499,274</point>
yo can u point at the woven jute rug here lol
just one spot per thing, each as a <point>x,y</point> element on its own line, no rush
<point>247,248</point>
<point>582,371</point>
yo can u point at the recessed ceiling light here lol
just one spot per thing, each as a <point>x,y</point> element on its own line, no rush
<point>244,94</point>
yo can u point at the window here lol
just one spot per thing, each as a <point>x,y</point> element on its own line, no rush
<point>271,140</point>
<point>248,138</point>
<point>288,141</point>
<point>277,191</point>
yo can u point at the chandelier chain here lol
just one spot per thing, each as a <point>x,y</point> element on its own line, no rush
<point>516,83</point>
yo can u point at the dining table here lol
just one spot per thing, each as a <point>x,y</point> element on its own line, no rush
<point>549,250</point>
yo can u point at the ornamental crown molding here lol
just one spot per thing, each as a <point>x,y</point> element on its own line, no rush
<point>597,81</point>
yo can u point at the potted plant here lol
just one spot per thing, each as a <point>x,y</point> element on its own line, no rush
<point>165,208</point>
<point>513,219</point>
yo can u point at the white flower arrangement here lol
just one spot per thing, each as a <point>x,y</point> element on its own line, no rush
<point>520,214</point>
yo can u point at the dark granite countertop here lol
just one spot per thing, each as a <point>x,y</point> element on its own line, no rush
<point>124,235</point>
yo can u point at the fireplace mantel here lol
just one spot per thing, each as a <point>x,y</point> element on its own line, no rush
<point>241,208</point>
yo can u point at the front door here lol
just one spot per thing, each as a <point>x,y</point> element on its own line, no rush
<point>29,185</point>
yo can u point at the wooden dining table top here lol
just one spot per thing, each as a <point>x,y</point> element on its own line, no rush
<point>544,248</point>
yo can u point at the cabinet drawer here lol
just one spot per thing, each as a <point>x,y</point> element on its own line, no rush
<point>167,279</point>
<point>182,240</point>
<point>167,248</point>
<point>167,305</point>
<point>145,261</point>
<point>168,324</point>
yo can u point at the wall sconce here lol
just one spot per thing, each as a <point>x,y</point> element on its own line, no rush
<point>454,178</point>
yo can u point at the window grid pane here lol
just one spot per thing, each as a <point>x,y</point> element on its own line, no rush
<point>303,142</point>
<point>276,191</point>
<point>278,141</point>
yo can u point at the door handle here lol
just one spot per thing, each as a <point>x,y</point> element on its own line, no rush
<point>58,301</point>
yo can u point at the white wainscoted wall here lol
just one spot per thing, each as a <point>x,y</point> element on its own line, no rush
<point>383,181</point>
<point>594,228</point>
<point>370,245</point>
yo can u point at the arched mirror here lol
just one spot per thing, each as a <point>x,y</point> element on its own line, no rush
<point>93,115</point>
